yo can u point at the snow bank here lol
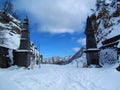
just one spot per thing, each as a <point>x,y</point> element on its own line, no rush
<point>54,77</point>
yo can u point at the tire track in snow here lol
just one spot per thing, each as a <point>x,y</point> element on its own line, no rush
<point>73,83</point>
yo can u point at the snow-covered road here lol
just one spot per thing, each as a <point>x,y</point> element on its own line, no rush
<point>53,77</point>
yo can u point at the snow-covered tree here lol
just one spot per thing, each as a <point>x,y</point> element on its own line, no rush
<point>8,7</point>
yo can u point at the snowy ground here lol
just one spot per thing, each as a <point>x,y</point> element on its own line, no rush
<point>54,77</point>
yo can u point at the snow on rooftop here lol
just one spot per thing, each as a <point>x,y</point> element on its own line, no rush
<point>93,49</point>
<point>24,51</point>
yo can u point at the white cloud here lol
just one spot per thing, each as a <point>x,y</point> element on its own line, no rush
<point>82,41</point>
<point>76,49</point>
<point>58,16</point>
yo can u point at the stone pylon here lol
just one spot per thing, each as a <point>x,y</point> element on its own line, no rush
<point>22,56</point>
<point>91,45</point>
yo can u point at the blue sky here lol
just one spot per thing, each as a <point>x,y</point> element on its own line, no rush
<point>56,26</point>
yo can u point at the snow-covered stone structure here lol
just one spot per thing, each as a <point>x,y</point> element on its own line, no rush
<point>36,57</point>
<point>15,46</point>
<point>10,34</point>
<point>110,50</point>
<point>106,23</point>
<point>91,45</point>
<point>22,56</point>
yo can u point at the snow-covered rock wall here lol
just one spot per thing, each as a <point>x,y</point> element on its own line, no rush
<point>106,20</point>
<point>10,31</point>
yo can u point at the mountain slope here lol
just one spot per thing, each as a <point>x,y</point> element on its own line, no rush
<point>106,20</point>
